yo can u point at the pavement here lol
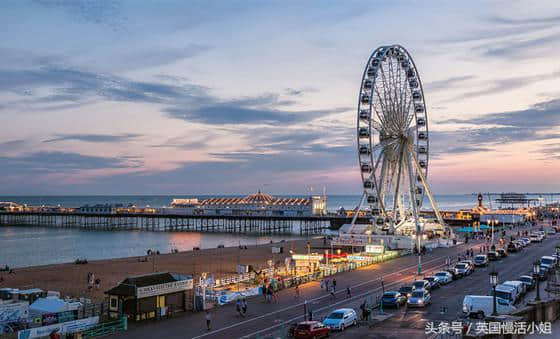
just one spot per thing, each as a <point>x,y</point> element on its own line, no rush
<point>272,320</point>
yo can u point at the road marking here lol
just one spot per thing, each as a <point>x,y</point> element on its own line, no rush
<point>312,300</point>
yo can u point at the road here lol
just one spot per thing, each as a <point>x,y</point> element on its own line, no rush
<point>271,319</point>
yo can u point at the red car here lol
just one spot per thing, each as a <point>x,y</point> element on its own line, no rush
<point>311,329</point>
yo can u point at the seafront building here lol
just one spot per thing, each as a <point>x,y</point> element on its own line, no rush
<point>260,204</point>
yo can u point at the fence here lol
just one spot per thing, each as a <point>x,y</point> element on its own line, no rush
<point>106,328</point>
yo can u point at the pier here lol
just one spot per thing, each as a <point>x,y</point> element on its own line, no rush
<point>304,225</point>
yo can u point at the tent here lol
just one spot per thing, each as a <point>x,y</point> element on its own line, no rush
<point>52,305</point>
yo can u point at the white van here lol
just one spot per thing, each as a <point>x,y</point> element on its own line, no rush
<point>518,285</point>
<point>548,261</point>
<point>506,292</point>
<point>483,305</point>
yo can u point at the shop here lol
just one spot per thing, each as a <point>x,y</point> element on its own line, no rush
<point>150,296</point>
<point>305,264</point>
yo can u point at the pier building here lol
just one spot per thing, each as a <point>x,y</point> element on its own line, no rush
<point>258,204</point>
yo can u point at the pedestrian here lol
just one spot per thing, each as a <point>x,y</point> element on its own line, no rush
<point>332,292</point>
<point>274,297</point>
<point>348,293</point>
<point>244,306</point>
<point>327,285</point>
<point>208,320</point>
<point>322,283</point>
<point>97,283</point>
<point>264,293</point>
<point>238,307</point>
<point>334,284</point>
<point>297,292</point>
<point>268,294</point>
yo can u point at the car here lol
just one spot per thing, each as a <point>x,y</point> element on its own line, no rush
<point>482,305</point>
<point>492,256</point>
<point>526,241</point>
<point>502,253</point>
<point>508,293</point>
<point>341,318</point>
<point>454,273</point>
<point>542,234</point>
<point>536,237</point>
<point>421,285</point>
<point>543,273</point>
<point>311,329</point>
<point>434,282</point>
<point>548,261</point>
<point>469,262</point>
<point>551,231</point>
<point>481,260</point>
<point>519,286</point>
<point>463,269</point>
<point>444,277</point>
<point>406,290</point>
<point>529,281</point>
<point>393,299</point>
<point>419,298</point>
<point>512,247</point>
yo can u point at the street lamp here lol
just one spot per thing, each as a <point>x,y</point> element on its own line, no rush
<point>536,271</point>
<point>494,283</point>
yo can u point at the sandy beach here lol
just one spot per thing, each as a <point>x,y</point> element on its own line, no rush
<point>71,279</point>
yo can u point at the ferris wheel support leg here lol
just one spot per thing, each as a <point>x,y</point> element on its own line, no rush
<point>396,195</point>
<point>415,212</point>
<point>358,209</point>
<point>430,196</point>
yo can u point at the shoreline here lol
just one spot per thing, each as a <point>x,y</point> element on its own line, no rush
<point>71,279</point>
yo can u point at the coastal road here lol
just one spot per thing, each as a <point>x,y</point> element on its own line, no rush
<point>266,319</point>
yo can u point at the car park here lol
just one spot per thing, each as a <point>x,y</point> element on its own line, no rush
<point>419,298</point>
<point>481,260</point>
<point>393,299</point>
<point>529,281</point>
<point>492,256</point>
<point>311,329</point>
<point>482,305</point>
<point>341,318</point>
<point>444,277</point>
<point>406,290</point>
<point>434,282</point>
<point>421,285</point>
<point>501,252</point>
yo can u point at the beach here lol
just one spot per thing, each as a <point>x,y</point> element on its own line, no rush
<point>71,279</point>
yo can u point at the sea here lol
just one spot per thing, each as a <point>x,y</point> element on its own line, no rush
<point>22,246</point>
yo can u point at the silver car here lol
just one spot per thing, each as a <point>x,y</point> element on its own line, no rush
<point>419,298</point>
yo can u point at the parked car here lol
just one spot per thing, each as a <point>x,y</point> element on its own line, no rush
<point>508,293</point>
<point>492,256</point>
<point>512,247</point>
<point>311,329</point>
<point>341,318</point>
<point>393,299</point>
<point>543,273</point>
<point>421,285</point>
<point>481,260</point>
<point>535,237</point>
<point>501,252</point>
<point>526,241</point>
<point>482,305</point>
<point>469,262</point>
<point>406,290</point>
<point>529,281</point>
<point>463,269</point>
<point>454,273</point>
<point>519,286</point>
<point>551,231</point>
<point>419,298</point>
<point>542,234</point>
<point>444,277</point>
<point>548,261</point>
<point>434,282</point>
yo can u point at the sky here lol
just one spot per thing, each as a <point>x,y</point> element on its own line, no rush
<point>229,97</point>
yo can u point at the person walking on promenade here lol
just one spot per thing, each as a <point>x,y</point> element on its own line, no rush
<point>208,320</point>
<point>244,306</point>
<point>264,293</point>
<point>334,284</point>
<point>322,283</point>
<point>332,292</point>
<point>238,307</point>
<point>274,296</point>
<point>348,292</point>
<point>297,292</point>
<point>327,285</point>
<point>269,294</point>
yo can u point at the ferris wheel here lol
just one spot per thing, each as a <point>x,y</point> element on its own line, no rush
<point>393,139</point>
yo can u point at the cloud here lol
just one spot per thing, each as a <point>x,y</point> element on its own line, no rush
<point>521,48</point>
<point>551,151</point>
<point>44,161</point>
<point>12,144</point>
<point>447,83</point>
<point>94,137</point>
<point>107,12</point>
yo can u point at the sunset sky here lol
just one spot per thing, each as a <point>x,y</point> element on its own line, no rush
<point>228,97</point>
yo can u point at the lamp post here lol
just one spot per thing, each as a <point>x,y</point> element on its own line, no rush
<point>536,271</point>
<point>494,282</point>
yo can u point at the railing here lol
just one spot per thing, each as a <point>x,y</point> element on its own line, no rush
<point>106,328</point>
